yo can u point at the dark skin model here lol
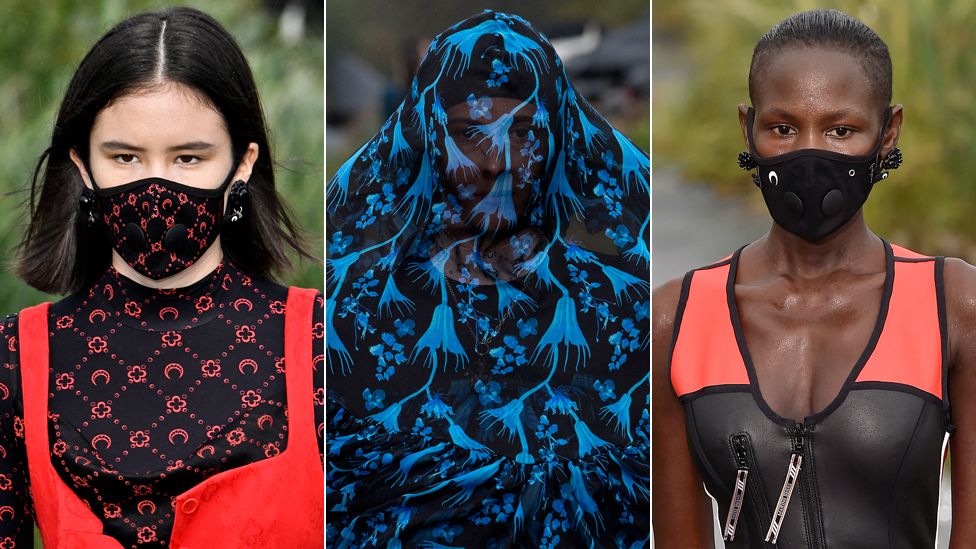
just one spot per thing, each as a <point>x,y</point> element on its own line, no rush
<point>808,309</point>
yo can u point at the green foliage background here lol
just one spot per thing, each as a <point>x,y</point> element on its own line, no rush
<point>41,44</point>
<point>708,45</point>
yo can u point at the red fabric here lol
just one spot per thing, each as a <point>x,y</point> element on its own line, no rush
<point>909,350</point>
<point>906,253</point>
<point>272,503</point>
<point>706,353</point>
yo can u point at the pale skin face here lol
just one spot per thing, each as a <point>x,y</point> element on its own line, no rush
<point>171,132</point>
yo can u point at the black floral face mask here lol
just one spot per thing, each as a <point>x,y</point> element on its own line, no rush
<point>160,227</point>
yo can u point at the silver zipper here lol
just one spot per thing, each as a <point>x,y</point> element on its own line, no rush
<point>783,502</point>
<point>739,494</point>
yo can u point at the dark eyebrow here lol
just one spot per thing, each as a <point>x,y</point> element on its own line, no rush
<point>122,146</point>
<point>119,146</point>
<point>192,146</point>
<point>830,117</point>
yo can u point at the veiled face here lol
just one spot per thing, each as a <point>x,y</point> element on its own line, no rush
<point>507,162</point>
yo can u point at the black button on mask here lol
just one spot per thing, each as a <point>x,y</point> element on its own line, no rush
<point>811,192</point>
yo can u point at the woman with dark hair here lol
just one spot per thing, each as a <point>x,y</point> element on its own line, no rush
<point>165,399</point>
<point>487,311</point>
<point>805,380</point>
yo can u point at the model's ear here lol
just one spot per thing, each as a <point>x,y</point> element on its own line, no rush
<point>81,167</point>
<point>743,121</point>
<point>890,139</point>
<point>246,166</point>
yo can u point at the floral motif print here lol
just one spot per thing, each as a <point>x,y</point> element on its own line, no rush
<point>487,335</point>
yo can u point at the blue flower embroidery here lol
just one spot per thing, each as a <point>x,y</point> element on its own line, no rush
<point>480,107</point>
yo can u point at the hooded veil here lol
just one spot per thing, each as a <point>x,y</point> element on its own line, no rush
<point>487,310</point>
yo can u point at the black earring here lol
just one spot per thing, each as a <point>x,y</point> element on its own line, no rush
<point>893,160</point>
<point>746,161</point>
<point>86,203</point>
<point>237,202</point>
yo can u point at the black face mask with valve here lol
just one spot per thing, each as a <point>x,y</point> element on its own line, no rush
<point>811,192</point>
<point>160,227</point>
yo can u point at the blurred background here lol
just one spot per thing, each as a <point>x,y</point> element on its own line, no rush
<point>374,46</point>
<point>42,44</point>
<point>705,206</point>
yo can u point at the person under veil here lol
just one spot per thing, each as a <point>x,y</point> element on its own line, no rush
<point>487,311</point>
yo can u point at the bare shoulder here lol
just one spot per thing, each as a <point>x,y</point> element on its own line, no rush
<point>960,293</point>
<point>664,305</point>
<point>960,303</point>
<point>960,286</point>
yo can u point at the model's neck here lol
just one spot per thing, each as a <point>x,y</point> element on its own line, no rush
<point>842,250</point>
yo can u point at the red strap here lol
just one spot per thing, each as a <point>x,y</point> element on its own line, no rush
<point>705,352</point>
<point>905,253</point>
<point>32,324</point>
<point>909,350</point>
<point>298,367</point>
<point>58,509</point>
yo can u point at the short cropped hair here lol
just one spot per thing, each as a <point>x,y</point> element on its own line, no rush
<point>826,29</point>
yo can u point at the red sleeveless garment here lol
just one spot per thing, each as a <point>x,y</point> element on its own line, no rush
<point>273,503</point>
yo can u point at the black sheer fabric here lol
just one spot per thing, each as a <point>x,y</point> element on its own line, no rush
<point>487,311</point>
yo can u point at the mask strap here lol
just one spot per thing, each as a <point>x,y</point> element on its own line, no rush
<point>91,176</point>
<point>233,171</point>
<point>884,128</point>
<point>750,120</point>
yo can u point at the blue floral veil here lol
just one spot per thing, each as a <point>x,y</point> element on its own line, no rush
<point>487,278</point>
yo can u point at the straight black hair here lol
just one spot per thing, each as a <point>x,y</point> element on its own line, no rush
<point>59,253</point>
<point>830,29</point>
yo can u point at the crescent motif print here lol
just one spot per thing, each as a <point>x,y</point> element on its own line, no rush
<point>178,433</point>
<point>100,374</point>
<point>248,363</point>
<point>173,367</point>
<point>146,507</point>
<point>102,438</point>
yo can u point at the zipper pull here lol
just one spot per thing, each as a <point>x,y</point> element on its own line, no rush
<point>741,476</point>
<point>797,436</point>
